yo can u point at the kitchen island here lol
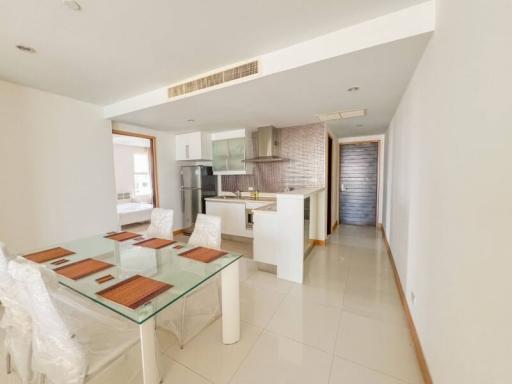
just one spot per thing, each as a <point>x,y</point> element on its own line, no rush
<point>284,225</point>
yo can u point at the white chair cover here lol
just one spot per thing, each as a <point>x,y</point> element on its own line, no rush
<point>55,353</point>
<point>202,306</point>
<point>15,322</point>
<point>4,259</point>
<point>161,224</point>
<point>70,338</point>
<point>207,231</point>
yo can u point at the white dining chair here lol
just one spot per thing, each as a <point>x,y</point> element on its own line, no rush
<point>71,341</point>
<point>202,306</point>
<point>207,231</point>
<point>16,324</point>
<point>161,224</point>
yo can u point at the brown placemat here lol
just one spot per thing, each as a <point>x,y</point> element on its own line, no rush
<point>203,254</point>
<point>122,236</point>
<point>155,243</point>
<point>104,279</point>
<point>48,254</point>
<point>135,291</point>
<point>82,268</point>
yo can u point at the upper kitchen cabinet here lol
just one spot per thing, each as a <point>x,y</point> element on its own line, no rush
<point>229,152</point>
<point>193,146</point>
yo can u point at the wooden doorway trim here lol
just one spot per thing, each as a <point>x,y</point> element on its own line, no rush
<point>377,194</point>
<point>330,170</point>
<point>153,157</point>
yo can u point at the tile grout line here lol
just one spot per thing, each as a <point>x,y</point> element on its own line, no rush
<point>184,365</point>
<point>191,370</point>
<point>258,338</point>
<point>376,370</point>
<point>371,318</point>
<point>333,356</point>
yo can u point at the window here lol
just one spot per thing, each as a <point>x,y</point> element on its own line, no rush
<point>141,174</point>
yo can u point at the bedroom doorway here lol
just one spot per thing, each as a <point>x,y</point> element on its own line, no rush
<point>135,176</point>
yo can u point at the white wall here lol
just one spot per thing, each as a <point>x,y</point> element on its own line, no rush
<point>382,150</point>
<point>448,199</point>
<point>168,169</point>
<point>56,169</point>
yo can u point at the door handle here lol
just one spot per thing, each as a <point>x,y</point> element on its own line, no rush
<point>182,201</point>
<point>343,188</point>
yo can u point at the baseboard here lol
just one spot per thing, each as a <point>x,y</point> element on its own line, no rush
<point>178,232</point>
<point>318,242</point>
<point>380,226</point>
<point>334,226</point>
<point>412,328</point>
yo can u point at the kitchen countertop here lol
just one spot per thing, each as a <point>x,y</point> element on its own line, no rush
<point>243,199</point>
<point>299,193</point>
<point>269,208</point>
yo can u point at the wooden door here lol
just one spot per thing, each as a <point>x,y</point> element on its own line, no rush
<point>358,183</point>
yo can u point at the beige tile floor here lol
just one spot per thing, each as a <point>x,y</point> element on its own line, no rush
<point>344,325</point>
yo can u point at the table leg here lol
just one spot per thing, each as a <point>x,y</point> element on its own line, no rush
<point>150,373</point>
<point>230,304</point>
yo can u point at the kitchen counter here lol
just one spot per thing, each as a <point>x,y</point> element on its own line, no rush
<point>243,199</point>
<point>269,208</point>
<point>283,225</point>
<point>299,193</point>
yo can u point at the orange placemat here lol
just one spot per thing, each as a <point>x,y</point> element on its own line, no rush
<point>82,268</point>
<point>155,243</point>
<point>135,291</point>
<point>49,254</point>
<point>203,254</point>
<point>122,236</point>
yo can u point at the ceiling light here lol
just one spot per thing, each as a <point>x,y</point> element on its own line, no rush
<point>190,120</point>
<point>329,116</point>
<point>73,5</point>
<point>24,48</point>
<point>350,114</point>
<point>353,89</point>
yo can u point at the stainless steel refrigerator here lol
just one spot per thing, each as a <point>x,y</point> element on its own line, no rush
<point>197,182</point>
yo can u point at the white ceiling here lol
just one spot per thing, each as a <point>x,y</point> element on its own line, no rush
<point>115,49</point>
<point>296,96</point>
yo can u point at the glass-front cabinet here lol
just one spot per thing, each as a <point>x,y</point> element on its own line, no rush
<point>228,156</point>
<point>220,154</point>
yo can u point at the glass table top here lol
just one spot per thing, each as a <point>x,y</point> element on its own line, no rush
<point>165,265</point>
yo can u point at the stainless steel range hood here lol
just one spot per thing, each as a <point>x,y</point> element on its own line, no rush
<point>267,145</point>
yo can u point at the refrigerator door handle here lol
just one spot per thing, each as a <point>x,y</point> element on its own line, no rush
<point>182,201</point>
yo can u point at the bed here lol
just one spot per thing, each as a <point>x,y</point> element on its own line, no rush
<point>130,212</point>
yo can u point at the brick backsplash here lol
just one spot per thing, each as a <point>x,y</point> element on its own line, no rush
<point>304,146</point>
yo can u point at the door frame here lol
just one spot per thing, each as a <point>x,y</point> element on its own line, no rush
<point>330,166</point>
<point>377,192</point>
<point>153,158</point>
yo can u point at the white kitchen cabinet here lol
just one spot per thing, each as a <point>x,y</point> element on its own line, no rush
<point>193,146</point>
<point>232,215</point>
<point>229,151</point>
<point>265,233</point>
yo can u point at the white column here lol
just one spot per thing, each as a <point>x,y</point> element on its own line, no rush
<point>230,304</point>
<point>150,373</point>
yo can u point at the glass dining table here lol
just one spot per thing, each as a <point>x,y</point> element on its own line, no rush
<point>164,265</point>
